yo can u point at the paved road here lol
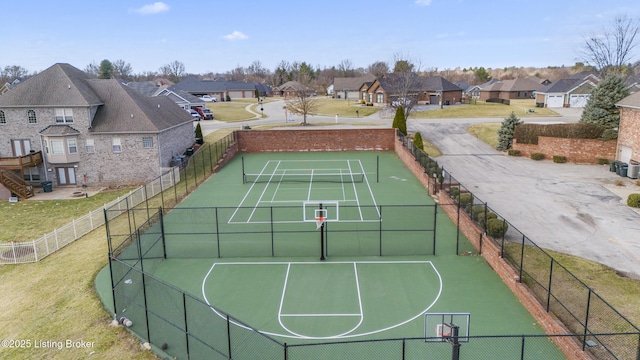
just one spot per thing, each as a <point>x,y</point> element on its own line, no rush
<point>564,207</point>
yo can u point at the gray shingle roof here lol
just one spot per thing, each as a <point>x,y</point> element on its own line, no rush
<point>59,130</point>
<point>127,111</point>
<point>352,83</point>
<point>520,84</point>
<point>421,83</point>
<point>631,101</point>
<point>58,85</point>
<point>196,86</point>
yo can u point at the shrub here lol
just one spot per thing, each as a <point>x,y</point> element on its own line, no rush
<point>497,228</point>
<point>465,199</point>
<point>537,156</point>
<point>490,215</point>
<point>514,152</point>
<point>559,159</point>
<point>362,102</point>
<point>603,161</point>
<point>198,132</point>
<point>634,200</point>
<point>417,141</point>
<point>477,212</point>
<point>228,98</point>
<point>454,191</point>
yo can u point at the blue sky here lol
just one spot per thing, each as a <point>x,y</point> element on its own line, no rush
<point>218,35</point>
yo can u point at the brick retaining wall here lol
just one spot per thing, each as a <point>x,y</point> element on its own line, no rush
<point>315,140</point>
<point>581,151</point>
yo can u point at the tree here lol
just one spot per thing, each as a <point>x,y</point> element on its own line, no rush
<point>400,121</point>
<point>505,134</point>
<point>198,132</point>
<point>122,69</point>
<point>417,141</point>
<point>303,104</point>
<point>173,70</point>
<point>346,68</point>
<point>11,73</point>
<point>105,71</point>
<point>404,85</point>
<point>601,109</point>
<point>482,75</point>
<point>379,69</point>
<point>612,50</point>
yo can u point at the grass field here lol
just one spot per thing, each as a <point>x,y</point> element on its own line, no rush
<point>487,132</point>
<point>482,109</point>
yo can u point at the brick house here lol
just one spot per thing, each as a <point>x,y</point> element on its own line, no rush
<point>628,146</point>
<point>221,89</point>
<point>64,126</point>
<point>434,90</point>
<point>290,89</point>
<point>349,87</point>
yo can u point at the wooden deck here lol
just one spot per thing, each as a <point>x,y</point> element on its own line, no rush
<point>21,162</point>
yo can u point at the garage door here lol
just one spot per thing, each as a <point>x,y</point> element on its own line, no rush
<point>236,94</point>
<point>578,100</point>
<point>554,101</point>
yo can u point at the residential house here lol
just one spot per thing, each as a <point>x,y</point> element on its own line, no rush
<point>473,91</point>
<point>434,90</point>
<point>348,88</point>
<point>570,92</point>
<point>633,83</point>
<point>521,88</point>
<point>628,146</point>
<point>65,127</point>
<point>291,89</point>
<point>222,89</point>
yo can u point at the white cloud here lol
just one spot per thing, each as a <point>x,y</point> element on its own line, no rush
<point>423,2</point>
<point>156,7</point>
<point>235,35</point>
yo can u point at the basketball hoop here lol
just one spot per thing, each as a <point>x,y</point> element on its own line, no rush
<point>319,221</point>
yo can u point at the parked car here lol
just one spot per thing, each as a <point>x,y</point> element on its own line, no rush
<point>208,98</point>
<point>195,114</point>
<point>204,113</point>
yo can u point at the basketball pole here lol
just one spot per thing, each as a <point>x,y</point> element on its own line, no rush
<point>455,343</point>
<point>321,238</point>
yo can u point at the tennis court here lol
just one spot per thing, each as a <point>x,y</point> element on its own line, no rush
<point>247,243</point>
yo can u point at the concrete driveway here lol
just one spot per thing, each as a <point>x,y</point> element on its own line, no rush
<point>574,209</point>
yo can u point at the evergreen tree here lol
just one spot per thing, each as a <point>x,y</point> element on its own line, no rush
<point>198,132</point>
<point>417,141</point>
<point>601,107</point>
<point>482,74</point>
<point>399,121</point>
<point>105,71</point>
<point>505,134</point>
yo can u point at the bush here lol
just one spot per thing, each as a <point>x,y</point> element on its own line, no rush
<point>559,159</point>
<point>514,152</point>
<point>537,156</point>
<point>477,212</point>
<point>603,161</point>
<point>465,199</point>
<point>529,133</point>
<point>362,102</point>
<point>454,191</point>
<point>634,200</point>
<point>497,228</point>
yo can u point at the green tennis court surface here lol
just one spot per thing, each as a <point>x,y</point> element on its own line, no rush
<point>246,243</point>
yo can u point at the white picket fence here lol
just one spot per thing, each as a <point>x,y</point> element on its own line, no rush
<point>35,250</point>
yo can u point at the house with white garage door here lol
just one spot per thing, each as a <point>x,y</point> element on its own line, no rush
<point>628,147</point>
<point>571,92</point>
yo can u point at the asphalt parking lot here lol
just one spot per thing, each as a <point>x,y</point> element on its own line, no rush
<point>574,209</point>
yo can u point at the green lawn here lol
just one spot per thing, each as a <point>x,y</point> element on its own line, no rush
<point>487,132</point>
<point>482,109</point>
<point>344,108</point>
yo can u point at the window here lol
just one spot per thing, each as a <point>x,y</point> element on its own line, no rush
<point>32,174</point>
<point>89,146</point>
<point>64,115</point>
<point>31,116</point>
<point>147,141</point>
<point>57,147</point>
<point>379,97</point>
<point>72,144</point>
<point>3,119</point>
<point>116,146</point>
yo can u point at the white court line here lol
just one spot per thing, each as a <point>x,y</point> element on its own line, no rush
<point>355,191</point>
<point>263,192</point>
<point>347,336</point>
<point>246,195</point>
<point>366,179</point>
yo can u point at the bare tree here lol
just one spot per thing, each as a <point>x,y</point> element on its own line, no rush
<point>378,69</point>
<point>304,103</point>
<point>173,70</point>
<point>403,84</point>
<point>612,50</point>
<point>237,74</point>
<point>346,68</point>
<point>122,69</point>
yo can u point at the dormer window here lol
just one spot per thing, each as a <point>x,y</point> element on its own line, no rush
<point>64,116</point>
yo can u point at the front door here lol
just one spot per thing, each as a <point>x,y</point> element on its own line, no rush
<point>66,176</point>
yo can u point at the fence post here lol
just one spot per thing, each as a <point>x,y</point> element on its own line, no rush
<point>55,234</point>
<point>435,225</point>
<point>229,338</point>
<point>549,284</point>
<point>164,246</point>
<point>285,351</point>
<point>75,231</point>
<point>586,320</point>
<point>186,326</point>
<point>35,250</point>
<point>46,243</point>
<point>521,260</point>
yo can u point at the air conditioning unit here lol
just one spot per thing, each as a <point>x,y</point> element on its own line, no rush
<point>633,170</point>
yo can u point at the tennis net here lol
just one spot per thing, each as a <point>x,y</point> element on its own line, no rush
<point>307,178</point>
